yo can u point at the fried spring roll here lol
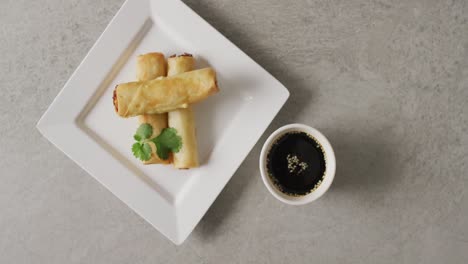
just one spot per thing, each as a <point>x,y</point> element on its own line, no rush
<point>151,66</point>
<point>164,94</point>
<point>182,119</point>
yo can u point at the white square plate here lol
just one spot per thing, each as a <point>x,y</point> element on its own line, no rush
<point>82,123</point>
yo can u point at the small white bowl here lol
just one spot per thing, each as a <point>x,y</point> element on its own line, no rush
<point>329,161</point>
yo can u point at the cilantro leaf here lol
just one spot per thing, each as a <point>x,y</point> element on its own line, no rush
<point>142,151</point>
<point>162,151</point>
<point>144,131</point>
<point>167,141</point>
<point>170,139</point>
<point>146,151</point>
<point>137,149</point>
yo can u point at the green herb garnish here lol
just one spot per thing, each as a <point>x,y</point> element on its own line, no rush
<point>167,141</point>
<point>144,131</point>
<point>142,151</point>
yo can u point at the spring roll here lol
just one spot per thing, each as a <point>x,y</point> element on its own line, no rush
<point>182,119</point>
<point>164,94</point>
<point>151,66</point>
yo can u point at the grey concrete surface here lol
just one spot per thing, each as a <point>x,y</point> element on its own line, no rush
<point>386,81</point>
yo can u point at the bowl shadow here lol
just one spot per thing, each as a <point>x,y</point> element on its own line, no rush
<point>367,162</point>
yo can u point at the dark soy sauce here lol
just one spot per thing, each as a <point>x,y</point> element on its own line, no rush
<point>296,163</point>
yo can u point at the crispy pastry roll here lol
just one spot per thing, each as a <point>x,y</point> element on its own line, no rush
<point>164,94</point>
<point>182,119</point>
<point>151,66</point>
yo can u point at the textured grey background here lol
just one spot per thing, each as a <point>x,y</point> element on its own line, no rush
<point>386,81</point>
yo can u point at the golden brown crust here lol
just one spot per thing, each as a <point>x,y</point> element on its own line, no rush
<point>165,94</point>
<point>151,66</point>
<point>180,64</point>
<point>183,120</point>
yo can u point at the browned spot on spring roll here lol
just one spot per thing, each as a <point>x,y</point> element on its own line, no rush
<point>181,55</point>
<point>114,99</point>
